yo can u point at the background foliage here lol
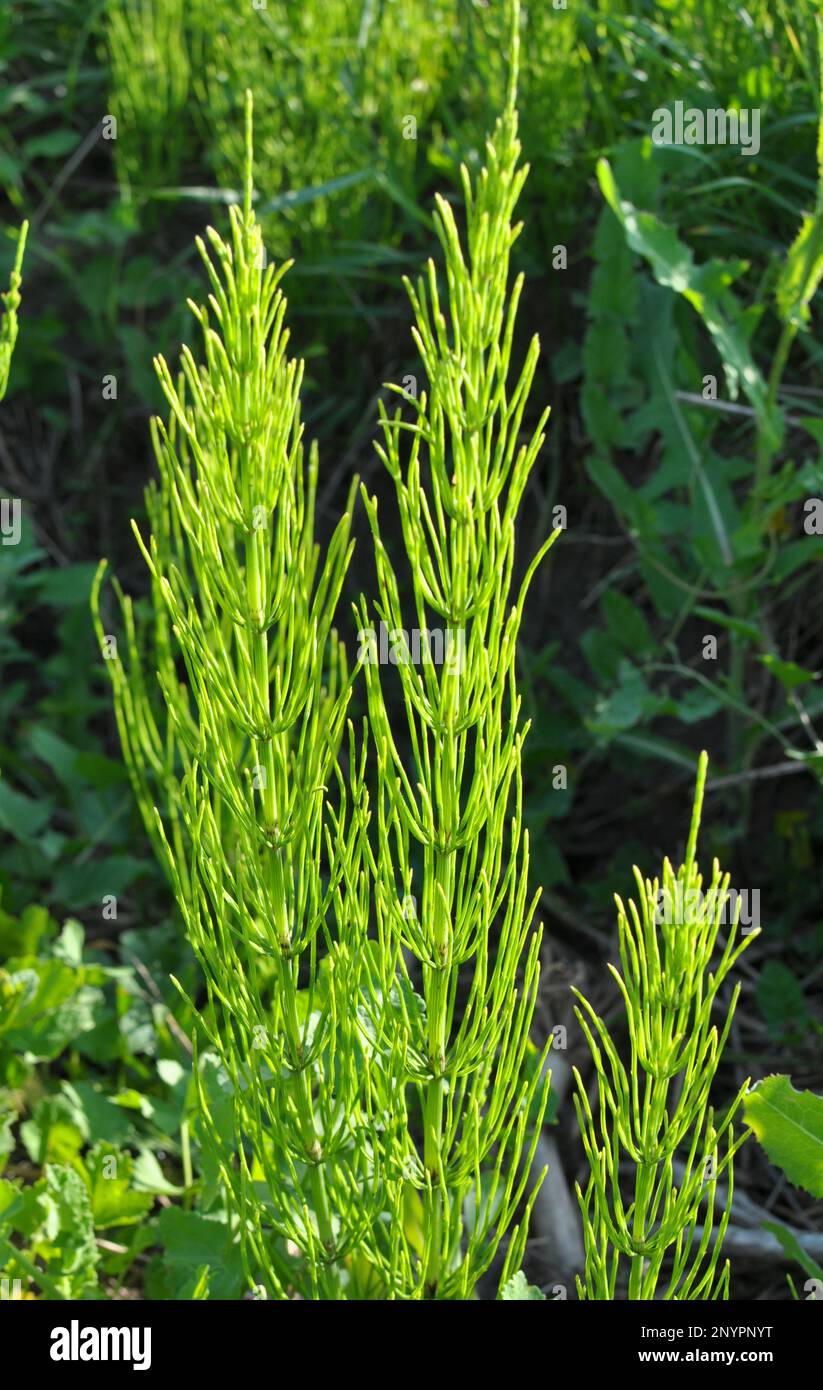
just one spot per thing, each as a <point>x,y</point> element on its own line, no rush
<point>685,517</point>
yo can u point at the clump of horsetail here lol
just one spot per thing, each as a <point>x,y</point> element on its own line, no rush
<point>656,1148</point>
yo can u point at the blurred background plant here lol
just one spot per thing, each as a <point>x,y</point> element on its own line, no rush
<point>680,609</point>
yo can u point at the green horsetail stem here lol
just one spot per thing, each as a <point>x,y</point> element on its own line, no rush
<point>637,1209</point>
<point>11,303</point>
<point>451,868</point>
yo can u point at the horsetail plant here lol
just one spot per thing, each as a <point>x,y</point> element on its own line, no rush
<point>261,832</point>
<point>370,987</point>
<point>452,861</point>
<point>638,1205</point>
<point>11,303</point>
<point>148,44</point>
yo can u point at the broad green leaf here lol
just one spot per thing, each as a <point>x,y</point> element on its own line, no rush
<point>650,746</point>
<point>695,703</point>
<point>43,1006</point>
<point>84,884</point>
<point>114,1201</point>
<point>52,144</point>
<point>626,705</point>
<point>66,588</point>
<point>99,771</point>
<point>55,1218</point>
<point>148,1176</point>
<point>789,1125</point>
<point>52,1135</point>
<point>610,482</point>
<point>69,945</point>
<point>170,1071</point>
<point>8,1142</point>
<point>192,1241</point>
<point>131,1099</point>
<point>794,1249</point>
<point>602,653</point>
<point>780,1000</point>
<point>705,287</point>
<point>54,751</point>
<point>95,1113</point>
<point>802,269</point>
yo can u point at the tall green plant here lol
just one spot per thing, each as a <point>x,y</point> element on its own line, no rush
<point>261,832</point>
<point>452,864</point>
<point>11,303</point>
<point>655,1106</point>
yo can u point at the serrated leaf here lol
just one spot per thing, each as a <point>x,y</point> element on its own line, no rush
<point>71,1251</point>
<point>789,1125</point>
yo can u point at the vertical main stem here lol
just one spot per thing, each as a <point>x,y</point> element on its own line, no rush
<point>301,1081</point>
